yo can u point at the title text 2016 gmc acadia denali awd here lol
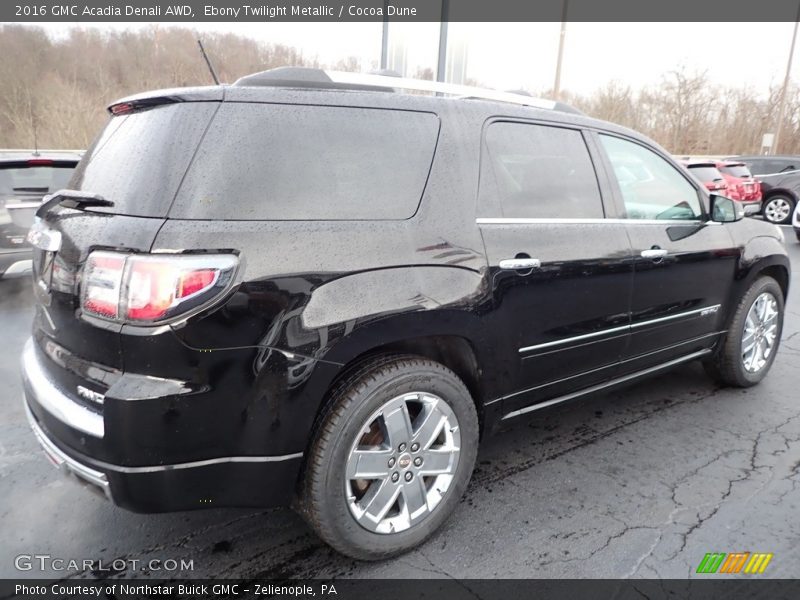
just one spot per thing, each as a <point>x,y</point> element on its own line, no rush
<point>308,288</point>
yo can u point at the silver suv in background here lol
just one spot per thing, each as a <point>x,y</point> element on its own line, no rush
<point>25,177</point>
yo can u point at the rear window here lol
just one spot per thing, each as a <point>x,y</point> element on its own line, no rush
<point>291,162</point>
<point>705,174</point>
<point>736,170</point>
<point>138,160</point>
<point>33,180</point>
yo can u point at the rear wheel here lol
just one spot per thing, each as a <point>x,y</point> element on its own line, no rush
<point>748,349</point>
<point>392,456</point>
<point>778,209</point>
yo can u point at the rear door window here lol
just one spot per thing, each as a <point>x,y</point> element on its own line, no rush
<point>538,171</point>
<point>297,162</point>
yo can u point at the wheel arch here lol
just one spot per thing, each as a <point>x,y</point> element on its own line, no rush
<point>761,256</point>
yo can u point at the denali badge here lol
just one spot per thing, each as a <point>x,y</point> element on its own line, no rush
<point>90,395</point>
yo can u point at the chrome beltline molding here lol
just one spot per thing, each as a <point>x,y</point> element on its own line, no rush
<point>520,221</point>
<point>706,310</point>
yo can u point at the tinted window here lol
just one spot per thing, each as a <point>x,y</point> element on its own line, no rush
<point>39,180</point>
<point>279,162</point>
<point>736,171</point>
<point>651,187</point>
<point>537,171</point>
<point>706,173</point>
<point>138,161</point>
<point>760,166</point>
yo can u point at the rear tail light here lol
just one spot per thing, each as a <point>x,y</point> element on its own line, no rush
<point>153,288</point>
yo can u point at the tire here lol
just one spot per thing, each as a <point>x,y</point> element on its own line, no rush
<point>329,499</point>
<point>797,233</point>
<point>778,209</point>
<point>729,365</point>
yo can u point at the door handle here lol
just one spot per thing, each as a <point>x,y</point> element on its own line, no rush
<point>520,264</point>
<point>654,253</point>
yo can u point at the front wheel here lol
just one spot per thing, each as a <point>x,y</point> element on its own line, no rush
<point>778,209</point>
<point>748,349</point>
<point>392,456</point>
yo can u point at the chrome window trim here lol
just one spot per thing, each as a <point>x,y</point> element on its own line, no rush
<point>543,221</point>
<point>704,311</point>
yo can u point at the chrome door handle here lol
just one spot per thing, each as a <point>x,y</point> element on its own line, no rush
<point>520,264</point>
<point>654,253</point>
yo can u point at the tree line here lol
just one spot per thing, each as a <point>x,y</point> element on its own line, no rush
<point>53,91</point>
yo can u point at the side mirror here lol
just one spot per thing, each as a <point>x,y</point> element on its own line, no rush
<point>725,210</point>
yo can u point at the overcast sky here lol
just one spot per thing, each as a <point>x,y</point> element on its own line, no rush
<point>523,55</point>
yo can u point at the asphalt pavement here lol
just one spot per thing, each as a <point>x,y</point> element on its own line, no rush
<point>641,482</point>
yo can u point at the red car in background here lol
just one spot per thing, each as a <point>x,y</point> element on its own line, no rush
<point>742,186</point>
<point>706,172</point>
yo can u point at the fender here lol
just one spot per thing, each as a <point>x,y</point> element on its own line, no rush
<point>758,254</point>
<point>785,191</point>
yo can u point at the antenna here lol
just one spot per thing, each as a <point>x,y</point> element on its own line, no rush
<point>208,61</point>
<point>35,132</point>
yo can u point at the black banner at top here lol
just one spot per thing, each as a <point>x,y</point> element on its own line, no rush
<point>255,11</point>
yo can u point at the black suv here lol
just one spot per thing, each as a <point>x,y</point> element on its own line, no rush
<point>304,289</point>
<point>780,184</point>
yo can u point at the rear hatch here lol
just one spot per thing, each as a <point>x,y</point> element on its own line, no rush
<point>136,164</point>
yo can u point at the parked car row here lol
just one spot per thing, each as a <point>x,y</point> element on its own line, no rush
<point>728,178</point>
<point>767,185</point>
<point>25,177</point>
<point>780,184</point>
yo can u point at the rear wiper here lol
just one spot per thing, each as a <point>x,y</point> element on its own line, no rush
<point>71,199</point>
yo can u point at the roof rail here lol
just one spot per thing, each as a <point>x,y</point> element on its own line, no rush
<point>451,89</point>
<point>318,78</point>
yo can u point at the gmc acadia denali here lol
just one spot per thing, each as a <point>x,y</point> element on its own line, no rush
<point>307,288</point>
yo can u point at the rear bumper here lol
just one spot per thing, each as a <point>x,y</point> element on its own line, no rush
<point>751,207</point>
<point>260,481</point>
<point>16,263</point>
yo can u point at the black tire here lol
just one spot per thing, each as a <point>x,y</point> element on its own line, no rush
<point>322,501</point>
<point>775,199</point>
<point>797,233</point>
<point>726,366</point>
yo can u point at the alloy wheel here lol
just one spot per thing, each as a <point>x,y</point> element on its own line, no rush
<point>760,332</point>
<point>403,462</point>
<point>777,210</point>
